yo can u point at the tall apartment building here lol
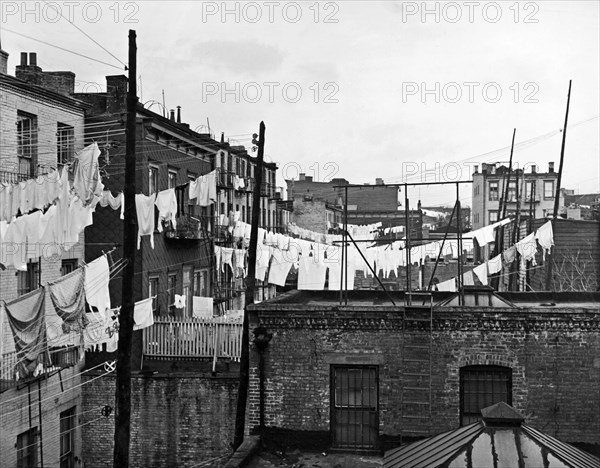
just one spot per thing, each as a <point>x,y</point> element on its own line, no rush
<point>41,128</point>
<point>534,193</point>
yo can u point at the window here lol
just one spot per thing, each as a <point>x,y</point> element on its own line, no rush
<point>68,266</point>
<point>172,285</point>
<point>172,182</point>
<point>493,216</point>
<point>152,180</point>
<point>354,415</point>
<point>153,292</point>
<point>494,190</point>
<point>480,387</point>
<point>200,284</point>
<point>512,191</point>
<point>29,280</point>
<point>529,188</point>
<point>67,438</point>
<point>548,189</point>
<point>65,143</point>
<point>26,143</point>
<point>27,449</point>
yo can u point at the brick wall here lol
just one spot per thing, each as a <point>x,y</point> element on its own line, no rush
<point>555,373</point>
<point>310,214</point>
<point>176,420</point>
<point>19,411</point>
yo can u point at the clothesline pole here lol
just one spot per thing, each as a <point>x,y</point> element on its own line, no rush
<point>557,193</point>
<point>437,260</point>
<point>345,251</point>
<point>461,286</point>
<point>407,245</point>
<point>123,381</point>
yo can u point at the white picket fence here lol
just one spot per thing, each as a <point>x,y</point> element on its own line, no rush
<point>171,338</point>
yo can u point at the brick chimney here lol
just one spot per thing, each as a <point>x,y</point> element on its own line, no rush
<point>378,181</point>
<point>476,171</point>
<point>3,62</point>
<point>62,82</point>
<point>116,93</point>
<point>551,166</point>
<point>302,176</point>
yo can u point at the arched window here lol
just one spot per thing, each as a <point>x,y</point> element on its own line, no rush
<point>483,386</point>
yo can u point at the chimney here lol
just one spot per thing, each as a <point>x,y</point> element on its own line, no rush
<point>302,176</point>
<point>551,166</point>
<point>33,59</point>
<point>116,94</point>
<point>172,117</point>
<point>308,178</point>
<point>378,181</point>
<point>222,137</point>
<point>533,169</point>
<point>476,171</point>
<point>23,59</point>
<point>30,73</point>
<point>3,62</point>
<point>178,114</point>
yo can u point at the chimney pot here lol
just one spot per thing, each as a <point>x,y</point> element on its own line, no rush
<point>551,166</point>
<point>178,114</point>
<point>172,117</point>
<point>23,59</point>
<point>33,59</point>
<point>533,169</point>
<point>302,176</point>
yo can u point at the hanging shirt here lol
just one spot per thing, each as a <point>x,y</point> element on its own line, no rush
<point>204,189</point>
<point>311,274</point>
<point>145,217</point>
<point>85,174</point>
<point>97,276</point>
<point>263,255</point>
<point>280,268</point>
<point>166,202</point>
<point>527,248</point>
<point>227,258</point>
<point>481,273</point>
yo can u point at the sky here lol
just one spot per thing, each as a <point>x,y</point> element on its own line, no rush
<point>403,91</point>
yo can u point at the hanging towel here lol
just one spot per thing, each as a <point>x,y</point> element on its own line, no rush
<point>481,273</point>
<point>545,236</point>
<point>26,318</point>
<point>97,276</point>
<point>468,278</point>
<point>166,202</point>
<point>449,285</point>
<point>202,307</point>
<point>145,217</point>
<point>495,265</point>
<point>85,174</point>
<point>485,235</point>
<point>311,274</point>
<point>68,297</point>
<point>337,270</point>
<point>179,301</point>
<point>280,268</point>
<point>142,314</point>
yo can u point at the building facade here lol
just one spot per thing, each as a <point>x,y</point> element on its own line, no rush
<point>532,192</point>
<point>41,129</point>
<point>364,375</point>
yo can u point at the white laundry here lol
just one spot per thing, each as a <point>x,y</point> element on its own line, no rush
<point>142,314</point>
<point>97,276</point>
<point>481,273</point>
<point>449,285</point>
<point>166,202</point>
<point>204,189</point>
<point>202,307</point>
<point>545,236</point>
<point>468,278</point>
<point>484,236</point>
<point>263,255</point>
<point>179,301</point>
<point>495,264</point>
<point>311,274</point>
<point>280,267</point>
<point>527,248</point>
<point>144,206</point>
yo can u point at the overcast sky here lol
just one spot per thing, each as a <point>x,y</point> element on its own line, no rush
<point>351,89</point>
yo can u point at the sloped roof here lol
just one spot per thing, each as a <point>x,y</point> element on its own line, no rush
<point>499,440</point>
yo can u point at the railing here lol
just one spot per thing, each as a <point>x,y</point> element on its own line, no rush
<point>9,177</point>
<point>213,338</point>
<point>192,225</point>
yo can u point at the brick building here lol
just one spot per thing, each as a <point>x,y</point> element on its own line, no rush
<point>362,376</point>
<point>535,190</point>
<point>41,127</point>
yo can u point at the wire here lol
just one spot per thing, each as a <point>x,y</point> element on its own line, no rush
<point>62,48</point>
<point>86,34</point>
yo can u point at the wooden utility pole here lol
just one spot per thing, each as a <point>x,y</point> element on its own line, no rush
<point>123,384</point>
<point>240,418</point>
<point>557,195</point>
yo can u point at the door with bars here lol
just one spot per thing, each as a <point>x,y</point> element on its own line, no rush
<point>354,409</point>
